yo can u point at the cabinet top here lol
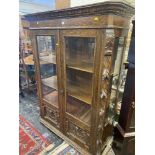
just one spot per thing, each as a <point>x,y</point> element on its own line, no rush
<point>118,8</point>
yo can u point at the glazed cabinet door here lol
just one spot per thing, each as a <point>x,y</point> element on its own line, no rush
<point>78,56</point>
<point>47,60</point>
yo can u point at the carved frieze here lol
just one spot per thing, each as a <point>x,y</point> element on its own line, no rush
<point>105,8</point>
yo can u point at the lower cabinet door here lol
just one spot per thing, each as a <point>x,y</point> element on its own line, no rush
<point>52,116</point>
<point>77,134</point>
<point>47,59</point>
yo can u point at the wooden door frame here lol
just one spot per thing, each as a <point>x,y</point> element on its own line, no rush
<point>54,33</point>
<point>95,33</point>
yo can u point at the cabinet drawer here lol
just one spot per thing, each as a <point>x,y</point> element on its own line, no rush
<point>52,116</point>
<point>77,134</point>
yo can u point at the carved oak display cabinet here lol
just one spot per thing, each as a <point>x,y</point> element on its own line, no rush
<point>77,53</point>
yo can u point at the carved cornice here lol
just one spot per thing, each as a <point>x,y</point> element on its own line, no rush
<point>104,8</point>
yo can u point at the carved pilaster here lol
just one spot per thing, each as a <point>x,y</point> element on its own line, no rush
<point>105,84</point>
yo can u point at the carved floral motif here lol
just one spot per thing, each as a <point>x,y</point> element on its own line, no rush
<point>78,132</point>
<point>53,115</point>
<point>105,83</point>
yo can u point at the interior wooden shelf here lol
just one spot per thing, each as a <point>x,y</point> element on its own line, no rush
<point>51,82</point>
<point>82,66</point>
<point>83,97</point>
<point>79,110</point>
<point>49,59</point>
<point>52,98</point>
<point>79,93</point>
<point>86,117</point>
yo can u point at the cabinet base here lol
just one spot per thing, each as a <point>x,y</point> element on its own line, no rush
<point>65,138</point>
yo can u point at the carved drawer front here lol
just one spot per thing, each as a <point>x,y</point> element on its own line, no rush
<point>52,115</point>
<point>77,134</point>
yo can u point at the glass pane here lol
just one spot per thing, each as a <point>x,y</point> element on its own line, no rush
<point>118,80</point>
<point>80,53</point>
<point>79,72</point>
<point>117,61</point>
<point>47,57</point>
<point>46,48</point>
<point>79,109</point>
<point>119,76</point>
<point>79,85</point>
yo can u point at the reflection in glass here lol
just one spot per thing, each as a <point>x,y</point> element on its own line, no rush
<point>47,57</point>
<point>79,54</point>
